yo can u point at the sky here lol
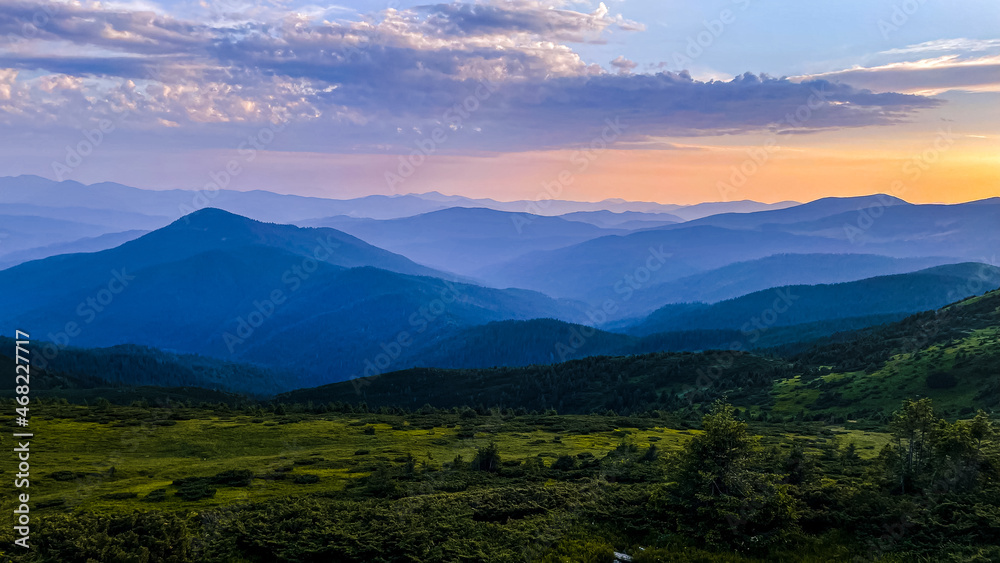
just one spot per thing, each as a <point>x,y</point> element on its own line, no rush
<point>652,100</point>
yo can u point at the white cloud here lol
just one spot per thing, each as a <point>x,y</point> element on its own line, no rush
<point>947,45</point>
<point>925,77</point>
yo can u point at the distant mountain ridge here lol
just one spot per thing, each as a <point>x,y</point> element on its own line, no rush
<point>466,239</point>
<point>741,278</point>
<point>271,206</point>
<point>599,269</point>
<point>207,283</point>
<point>791,305</point>
<point>108,207</point>
<point>327,306</point>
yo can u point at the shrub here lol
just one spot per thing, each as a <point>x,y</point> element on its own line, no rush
<point>941,380</point>
<point>565,463</point>
<point>140,536</point>
<point>487,459</point>
<point>233,478</point>
<point>581,551</point>
<point>195,490</point>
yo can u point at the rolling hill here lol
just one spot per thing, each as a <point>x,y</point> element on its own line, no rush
<point>798,304</point>
<point>622,219</point>
<point>607,267</point>
<point>951,354</point>
<point>742,278</point>
<point>465,240</point>
<point>228,287</point>
<point>614,267</point>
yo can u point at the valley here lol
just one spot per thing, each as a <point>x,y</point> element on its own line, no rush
<point>447,386</point>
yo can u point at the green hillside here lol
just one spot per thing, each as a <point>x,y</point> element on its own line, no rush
<point>951,355</point>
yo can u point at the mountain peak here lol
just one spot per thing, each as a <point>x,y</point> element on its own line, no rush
<point>212,216</point>
<point>882,199</point>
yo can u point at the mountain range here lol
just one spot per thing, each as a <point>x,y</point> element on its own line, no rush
<point>614,266</point>
<point>862,373</point>
<point>337,297</point>
<point>107,208</point>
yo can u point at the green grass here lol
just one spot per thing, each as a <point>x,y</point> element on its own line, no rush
<point>140,459</point>
<point>972,360</point>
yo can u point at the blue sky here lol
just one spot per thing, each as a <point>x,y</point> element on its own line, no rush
<point>180,84</point>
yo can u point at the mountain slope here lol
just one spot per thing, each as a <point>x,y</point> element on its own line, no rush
<point>962,232</point>
<point>950,354</point>
<point>967,230</point>
<point>21,232</point>
<point>818,209</point>
<point>464,240</point>
<point>622,219</point>
<point>742,278</point>
<point>202,231</point>
<point>269,206</point>
<point>87,244</point>
<point>81,373</point>
<point>236,289</point>
<point>793,305</point>
<point>109,218</point>
<point>607,267</point>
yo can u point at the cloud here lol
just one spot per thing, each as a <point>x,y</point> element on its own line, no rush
<point>623,65</point>
<point>925,77</point>
<point>379,82</point>
<point>138,32</point>
<point>947,45</point>
<point>523,16</point>
<point>674,104</point>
